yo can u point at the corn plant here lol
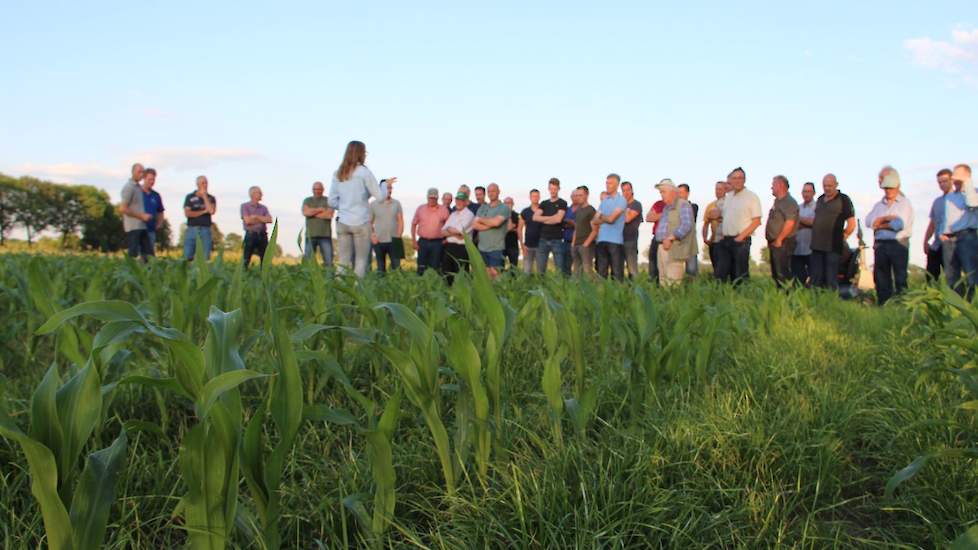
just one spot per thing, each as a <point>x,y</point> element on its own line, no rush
<point>473,401</point>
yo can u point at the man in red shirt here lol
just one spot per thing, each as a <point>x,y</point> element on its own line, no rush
<point>426,232</point>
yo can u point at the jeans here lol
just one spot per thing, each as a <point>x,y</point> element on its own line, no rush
<point>780,260</point>
<point>800,269</point>
<point>671,272</point>
<point>455,258</point>
<point>138,244</point>
<point>654,262</point>
<point>530,260</point>
<point>429,255</point>
<point>385,251</point>
<point>733,260</point>
<point>353,242</point>
<point>630,249</point>
<point>152,240</point>
<point>566,268</point>
<point>824,268</point>
<point>935,261</point>
<point>610,255</point>
<point>713,256</point>
<point>543,254</point>
<point>693,265</point>
<point>890,267</point>
<point>190,241</point>
<point>583,259</point>
<point>254,243</point>
<point>325,247</point>
<point>961,258</point>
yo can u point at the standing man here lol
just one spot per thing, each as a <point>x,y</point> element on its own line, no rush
<point>677,234</point>
<point>255,218</point>
<point>692,262</point>
<point>458,225</point>
<point>198,207</point>
<point>529,232</point>
<point>610,220</point>
<point>568,228</point>
<point>780,231</point>
<point>800,260</point>
<point>959,243</point>
<point>474,206</point>
<point>134,216</point>
<point>835,220</point>
<point>633,218</point>
<point>512,249</point>
<point>551,214</point>
<point>446,200</point>
<point>741,215</point>
<point>712,219</point>
<point>491,223</point>
<point>387,224</point>
<point>153,205</point>
<point>891,220</point>
<point>583,239</point>
<point>426,232</point>
<point>653,217</point>
<point>319,218</point>
<point>932,249</point>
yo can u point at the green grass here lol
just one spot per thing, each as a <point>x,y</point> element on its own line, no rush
<point>808,406</point>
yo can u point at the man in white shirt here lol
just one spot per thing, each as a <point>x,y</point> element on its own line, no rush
<point>959,242</point>
<point>740,215</point>
<point>456,227</point>
<point>891,220</point>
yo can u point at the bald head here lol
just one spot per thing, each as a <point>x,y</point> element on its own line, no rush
<point>137,171</point>
<point>830,185</point>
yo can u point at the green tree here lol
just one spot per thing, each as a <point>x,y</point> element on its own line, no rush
<point>164,235</point>
<point>103,229</point>
<point>8,200</point>
<point>67,210</point>
<point>33,206</point>
<point>233,241</point>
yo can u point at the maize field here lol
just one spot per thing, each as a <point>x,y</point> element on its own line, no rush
<point>206,406</point>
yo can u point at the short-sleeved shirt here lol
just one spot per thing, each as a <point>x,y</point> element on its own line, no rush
<point>552,231</point>
<point>784,209</point>
<point>491,240</point>
<point>196,204</point>
<point>658,207</point>
<point>512,241</point>
<point>828,231</point>
<point>582,222</point>
<point>937,218</point>
<point>153,205</point>
<point>531,239</point>
<point>384,214</point>
<point>250,209</point>
<point>739,209</point>
<point>714,234</point>
<point>630,233</point>
<point>569,224</point>
<point>317,228</point>
<point>612,232</point>
<point>132,197</point>
<point>803,238</point>
<point>430,221</point>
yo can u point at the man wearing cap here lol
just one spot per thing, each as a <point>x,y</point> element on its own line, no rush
<point>426,232</point>
<point>386,224</point>
<point>741,215</point>
<point>491,222</point>
<point>835,220</point>
<point>610,219</point>
<point>891,220</point>
<point>959,243</point>
<point>782,225</point>
<point>457,226</point>
<point>676,234</point>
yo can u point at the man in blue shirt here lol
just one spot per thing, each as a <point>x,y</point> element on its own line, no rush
<point>152,205</point>
<point>610,252</point>
<point>959,242</point>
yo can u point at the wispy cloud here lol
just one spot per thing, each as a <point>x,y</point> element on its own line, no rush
<point>957,56</point>
<point>195,158</point>
<point>70,172</point>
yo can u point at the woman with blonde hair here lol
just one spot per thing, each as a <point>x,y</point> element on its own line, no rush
<point>349,194</point>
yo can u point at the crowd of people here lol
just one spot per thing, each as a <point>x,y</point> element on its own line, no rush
<point>806,242</point>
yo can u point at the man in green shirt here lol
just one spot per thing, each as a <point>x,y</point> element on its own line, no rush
<point>491,222</point>
<point>318,232</point>
<point>582,251</point>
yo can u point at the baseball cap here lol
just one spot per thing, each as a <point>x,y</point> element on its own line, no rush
<point>462,195</point>
<point>432,192</point>
<point>666,184</point>
<point>891,180</point>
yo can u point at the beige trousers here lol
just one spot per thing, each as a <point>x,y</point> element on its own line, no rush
<point>670,272</point>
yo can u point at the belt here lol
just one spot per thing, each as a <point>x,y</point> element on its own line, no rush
<point>962,233</point>
<point>427,239</point>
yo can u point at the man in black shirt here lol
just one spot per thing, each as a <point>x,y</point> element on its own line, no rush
<point>835,220</point>
<point>198,206</point>
<point>529,232</point>
<point>551,214</point>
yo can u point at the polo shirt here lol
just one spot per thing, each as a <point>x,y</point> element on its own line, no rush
<point>196,204</point>
<point>429,221</point>
<point>153,205</point>
<point>739,209</point>
<point>828,231</point>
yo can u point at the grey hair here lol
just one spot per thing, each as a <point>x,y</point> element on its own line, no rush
<point>783,179</point>
<point>252,189</point>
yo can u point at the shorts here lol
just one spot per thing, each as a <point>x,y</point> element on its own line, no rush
<point>493,258</point>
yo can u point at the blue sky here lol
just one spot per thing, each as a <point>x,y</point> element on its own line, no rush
<point>511,92</point>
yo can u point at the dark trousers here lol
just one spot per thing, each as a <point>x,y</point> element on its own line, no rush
<point>512,254</point>
<point>935,260</point>
<point>780,260</point>
<point>890,269</point>
<point>429,255</point>
<point>825,269</point>
<point>610,255</point>
<point>800,269</point>
<point>961,262</point>
<point>733,260</point>
<point>254,243</point>
<point>654,262</point>
<point>713,257</point>
<point>138,244</point>
<point>454,258</point>
<point>568,259</point>
<point>385,251</point>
